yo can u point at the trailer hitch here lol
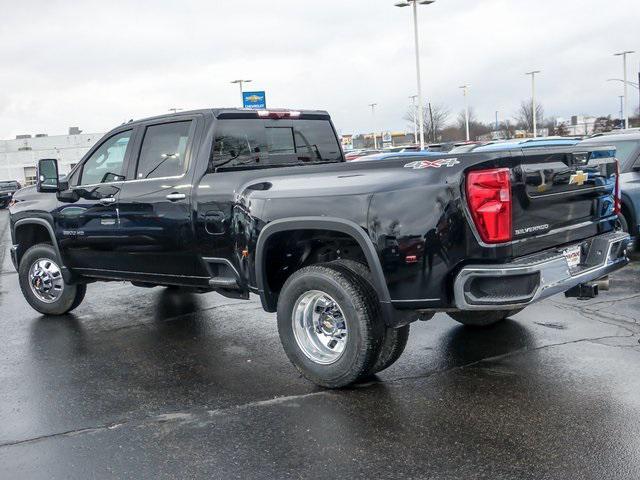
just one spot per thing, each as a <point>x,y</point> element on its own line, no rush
<point>584,291</point>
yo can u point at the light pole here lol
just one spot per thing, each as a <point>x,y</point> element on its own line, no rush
<point>621,97</point>
<point>373,114</point>
<point>497,124</point>
<point>414,4</point>
<point>415,118</point>
<point>624,77</point>
<point>241,82</point>
<point>534,113</point>
<point>466,109</point>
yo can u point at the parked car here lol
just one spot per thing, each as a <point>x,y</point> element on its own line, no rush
<point>397,155</point>
<point>347,254</point>
<point>627,146</point>
<point>402,148</point>
<point>525,143</point>
<point>359,153</point>
<point>466,147</point>
<point>7,189</point>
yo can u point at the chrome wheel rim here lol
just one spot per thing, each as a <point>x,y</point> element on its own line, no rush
<point>319,327</point>
<point>45,280</point>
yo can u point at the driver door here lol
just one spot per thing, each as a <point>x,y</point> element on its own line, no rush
<point>88,224</point>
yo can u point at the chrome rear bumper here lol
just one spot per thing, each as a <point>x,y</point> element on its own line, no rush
<point>529,279</point>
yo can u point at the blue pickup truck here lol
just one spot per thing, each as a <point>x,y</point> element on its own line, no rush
<point>628,154</point>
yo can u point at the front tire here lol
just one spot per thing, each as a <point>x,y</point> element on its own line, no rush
<point>482,319</point>
<point>330,325</point>
<point>42,284</point>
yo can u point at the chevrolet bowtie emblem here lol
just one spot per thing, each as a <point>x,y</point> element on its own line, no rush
<point>578,178</point>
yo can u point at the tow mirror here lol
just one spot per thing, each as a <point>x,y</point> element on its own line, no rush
<point>47,178</point>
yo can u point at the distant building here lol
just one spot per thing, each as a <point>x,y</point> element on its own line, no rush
<point>386,139</point>
<point>19,157</point>
<point>577,125</point>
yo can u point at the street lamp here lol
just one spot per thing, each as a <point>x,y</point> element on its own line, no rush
<point>415,118</point>
<point>633,84</point>
<point>534,113</point>
<point>621,97</point>
<point>373,114</point>
<point>414,4</point>
<point>466,109</point>
<point>624,77</point>
<point>241,82</point>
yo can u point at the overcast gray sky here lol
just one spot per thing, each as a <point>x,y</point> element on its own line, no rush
<point>97,64</point>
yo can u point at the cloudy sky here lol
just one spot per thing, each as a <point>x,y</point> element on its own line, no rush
<point>97,64</point>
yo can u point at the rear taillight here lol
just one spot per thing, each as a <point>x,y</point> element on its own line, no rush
<point>489,199</point>
<point>617,202</point>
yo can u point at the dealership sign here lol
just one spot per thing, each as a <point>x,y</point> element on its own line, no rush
<point>257,100</point>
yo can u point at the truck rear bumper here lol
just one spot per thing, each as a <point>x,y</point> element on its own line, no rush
<point>529,279</point>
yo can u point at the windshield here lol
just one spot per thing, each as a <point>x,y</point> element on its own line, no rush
<point>8,185</point>
<point>248,142</point>
<point>624,151</point>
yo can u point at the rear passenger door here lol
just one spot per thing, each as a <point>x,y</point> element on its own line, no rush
<point>155,205</point>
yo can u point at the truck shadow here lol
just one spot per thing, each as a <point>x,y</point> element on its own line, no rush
<point>464,345</point>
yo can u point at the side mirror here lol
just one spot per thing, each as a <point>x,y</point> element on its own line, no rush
<point>47,175</point>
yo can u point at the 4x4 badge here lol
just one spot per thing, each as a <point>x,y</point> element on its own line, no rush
<point>444,162</point>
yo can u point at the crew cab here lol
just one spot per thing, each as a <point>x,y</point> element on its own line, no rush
<point>348,254</point>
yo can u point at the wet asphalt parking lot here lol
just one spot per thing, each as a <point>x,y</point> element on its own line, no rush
<point>148,383</point>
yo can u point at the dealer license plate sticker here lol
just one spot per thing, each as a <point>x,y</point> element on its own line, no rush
<point>573,255</point>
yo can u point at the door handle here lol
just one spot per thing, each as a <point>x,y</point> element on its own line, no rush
<point>107,200</point>
<point>172,197</point>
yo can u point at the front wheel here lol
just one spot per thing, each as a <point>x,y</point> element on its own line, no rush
<point>42,284</point>
<point>330,325</point>
<point>482,319</point>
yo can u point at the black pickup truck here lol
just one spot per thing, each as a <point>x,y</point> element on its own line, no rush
<point>347,254</point>
<point>7,189</point>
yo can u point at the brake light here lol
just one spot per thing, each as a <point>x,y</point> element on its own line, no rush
<point>489,199</point>
<point>277,114</point>
<point>617,201</point>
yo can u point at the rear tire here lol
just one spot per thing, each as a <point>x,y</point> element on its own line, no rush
<point>318,302</point>
<point>395,339</point>
<point>482,319</point>
<point>42,284</point>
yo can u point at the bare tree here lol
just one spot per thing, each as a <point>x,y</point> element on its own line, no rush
<point>476,128</point>
<point>524,118</point>
<point>508,129</point>
<point>435,119</point>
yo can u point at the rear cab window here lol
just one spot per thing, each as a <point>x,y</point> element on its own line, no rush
<point>242,142</point>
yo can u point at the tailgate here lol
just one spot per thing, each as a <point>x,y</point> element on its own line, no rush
<point>565,196</point>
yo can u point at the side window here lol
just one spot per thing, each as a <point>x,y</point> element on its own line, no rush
<point>107,162</point>
<point>163,151</point>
